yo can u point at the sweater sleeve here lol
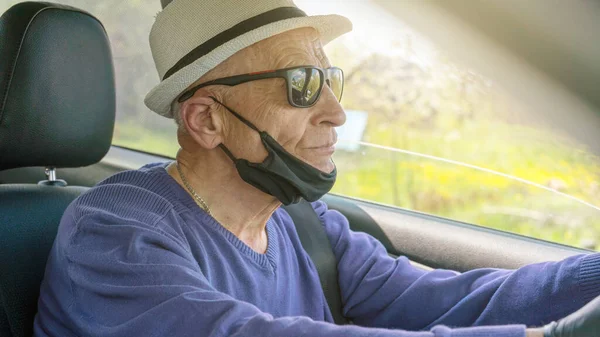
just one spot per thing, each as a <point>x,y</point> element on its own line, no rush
<point>129,278</point>
<point>381,291</point>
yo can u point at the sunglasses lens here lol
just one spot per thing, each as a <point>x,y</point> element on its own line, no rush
<point>305,85</point>
<point>335,80</point>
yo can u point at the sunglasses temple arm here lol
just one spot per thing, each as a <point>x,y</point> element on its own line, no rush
<point>229,81</point>
<point>235,80</point>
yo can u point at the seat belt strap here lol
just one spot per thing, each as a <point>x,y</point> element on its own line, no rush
<point>315,242</point>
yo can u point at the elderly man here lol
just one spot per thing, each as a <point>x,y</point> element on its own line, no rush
<point>201,247</point>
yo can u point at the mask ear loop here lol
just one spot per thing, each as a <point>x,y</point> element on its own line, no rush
<point>227,152</point>
<point>244,120</point>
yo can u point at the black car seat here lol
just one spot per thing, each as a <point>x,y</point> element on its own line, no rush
<point>57,109</point>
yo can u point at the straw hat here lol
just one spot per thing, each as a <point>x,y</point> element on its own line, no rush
<point>191,37</point>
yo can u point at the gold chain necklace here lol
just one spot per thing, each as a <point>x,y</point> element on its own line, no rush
<point>197,198</point>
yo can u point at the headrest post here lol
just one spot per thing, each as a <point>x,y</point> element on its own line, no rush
<point>51,178</point>
<point>51,173</point>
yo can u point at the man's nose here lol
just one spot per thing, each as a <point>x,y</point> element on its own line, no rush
<point>328,110</point>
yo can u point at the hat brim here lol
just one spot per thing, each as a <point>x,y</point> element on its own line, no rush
<point>160,98</point>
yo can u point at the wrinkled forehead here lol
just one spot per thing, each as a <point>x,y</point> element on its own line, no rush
<point>297,47</point>
<point>300,46</point>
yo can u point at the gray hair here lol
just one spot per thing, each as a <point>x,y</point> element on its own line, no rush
<point>176,108</point>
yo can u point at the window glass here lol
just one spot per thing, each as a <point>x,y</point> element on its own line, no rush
<point>422,133</point>
<point>425,134</point>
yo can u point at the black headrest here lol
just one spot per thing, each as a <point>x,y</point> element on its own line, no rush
<point>57,88</point>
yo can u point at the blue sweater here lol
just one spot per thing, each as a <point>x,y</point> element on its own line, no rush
<point>135,256</point>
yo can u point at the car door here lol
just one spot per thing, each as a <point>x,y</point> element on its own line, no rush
<point>434,160</point>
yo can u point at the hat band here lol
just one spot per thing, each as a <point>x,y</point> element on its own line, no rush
<point>241,28</point>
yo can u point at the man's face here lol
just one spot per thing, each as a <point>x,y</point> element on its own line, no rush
<point>307,133</point>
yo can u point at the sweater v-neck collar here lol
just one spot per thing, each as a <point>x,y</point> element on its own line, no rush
<point>266,260</point>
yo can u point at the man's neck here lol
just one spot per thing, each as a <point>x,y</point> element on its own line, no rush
<point>236,205</point>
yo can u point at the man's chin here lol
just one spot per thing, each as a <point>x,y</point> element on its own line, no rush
<point>321,163</point>
<point>327,166</point>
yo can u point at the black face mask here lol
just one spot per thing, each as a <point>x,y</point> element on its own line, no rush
<point>281,175</point>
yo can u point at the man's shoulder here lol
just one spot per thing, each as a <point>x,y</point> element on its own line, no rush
<point>143,194</point>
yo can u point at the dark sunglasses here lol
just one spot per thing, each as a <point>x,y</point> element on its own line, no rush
<point>304,83</point>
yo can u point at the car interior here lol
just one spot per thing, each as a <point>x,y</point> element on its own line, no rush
<point>57,114</point>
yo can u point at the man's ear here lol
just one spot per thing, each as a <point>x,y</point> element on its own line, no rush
<point>200,122</point>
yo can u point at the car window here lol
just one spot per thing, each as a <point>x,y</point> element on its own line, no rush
<point>422,133</point>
